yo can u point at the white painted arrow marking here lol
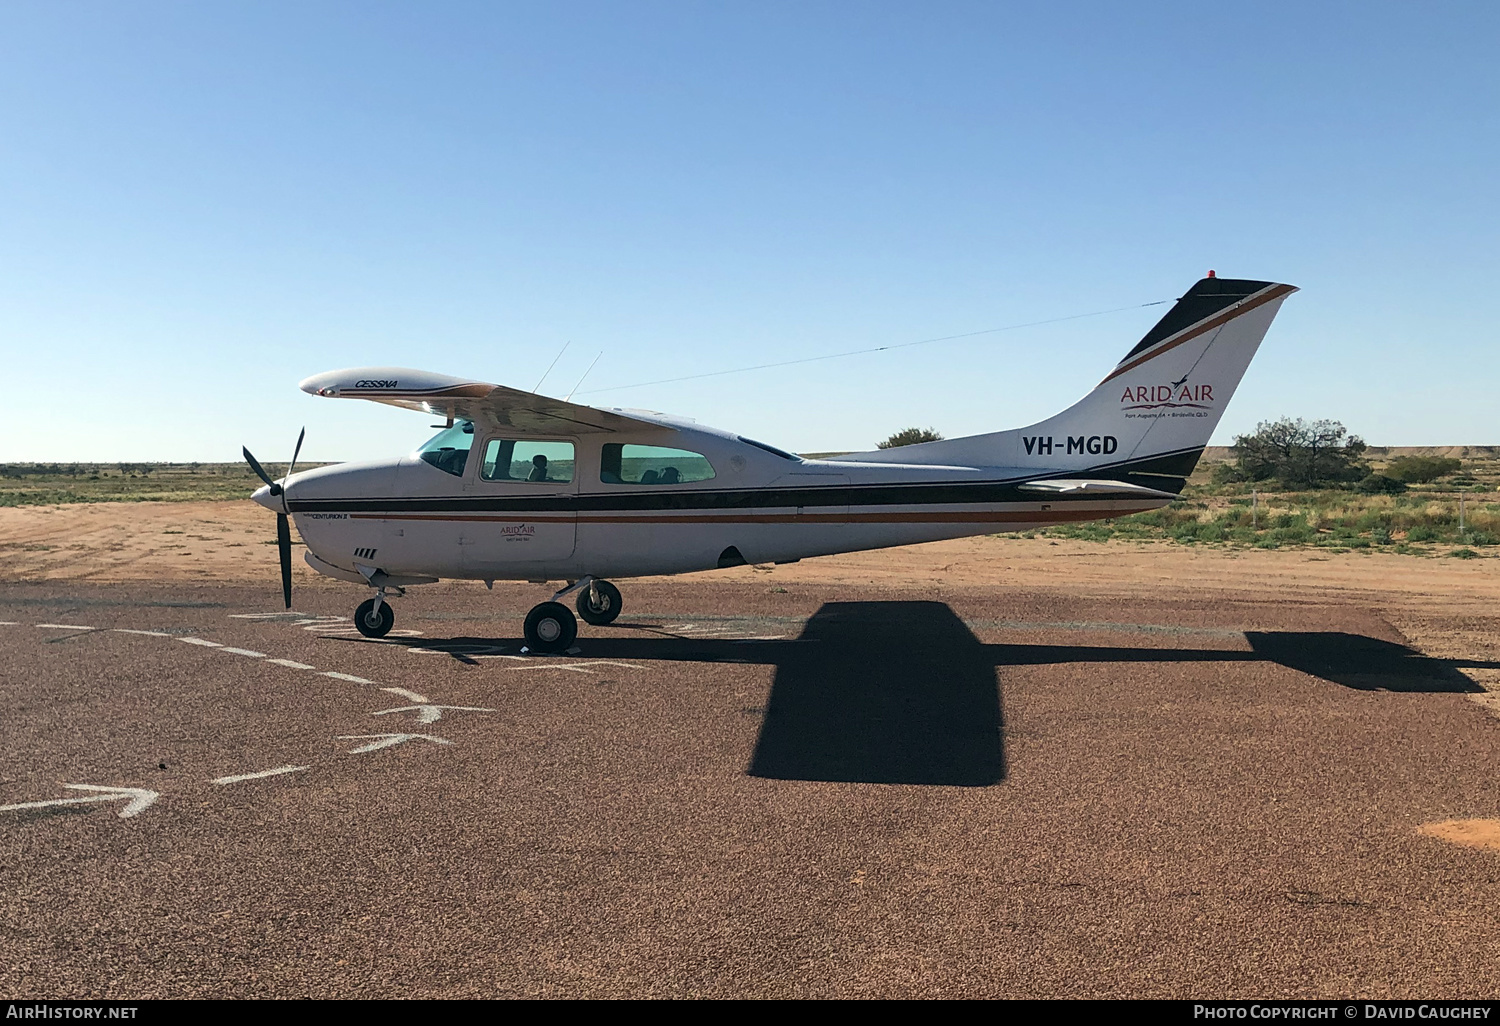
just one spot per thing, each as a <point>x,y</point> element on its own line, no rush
<point>200,641</point>
<point>346,676</point>
<point>140,799</point>
<point>256,776</point>
<point>250,653</point>
<point>387,740</point>
<point>431,713</point>
<point>410,695</point>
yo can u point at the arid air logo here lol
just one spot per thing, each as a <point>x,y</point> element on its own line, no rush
<point>1177,395</point>
<point>517,532</point>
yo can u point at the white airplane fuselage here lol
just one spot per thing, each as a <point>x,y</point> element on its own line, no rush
<point>411,520</point>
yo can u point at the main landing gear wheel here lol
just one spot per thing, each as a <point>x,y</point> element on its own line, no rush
<point>550,627</point>
<point>372,622</point>
<point>608,607</point>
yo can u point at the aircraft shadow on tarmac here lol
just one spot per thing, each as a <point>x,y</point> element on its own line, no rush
<point>904,693</point>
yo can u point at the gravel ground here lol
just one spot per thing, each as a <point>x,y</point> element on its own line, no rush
<point>740,790</point>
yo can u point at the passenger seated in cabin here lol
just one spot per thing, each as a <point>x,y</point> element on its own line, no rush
<point>669,475</point>
<point>538,468</point>
<point>650,477</point>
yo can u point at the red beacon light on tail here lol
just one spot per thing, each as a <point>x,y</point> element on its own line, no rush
<point>1211,274</point>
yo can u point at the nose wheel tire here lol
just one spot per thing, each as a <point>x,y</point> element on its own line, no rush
<point>373,623</point>
<point>609,604</point>
<point>550,627</point>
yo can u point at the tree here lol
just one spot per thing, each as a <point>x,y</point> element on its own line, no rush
<point>910,436</point>
<point>1298,454</point>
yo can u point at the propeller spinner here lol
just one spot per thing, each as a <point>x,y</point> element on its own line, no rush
<point>283,527</point>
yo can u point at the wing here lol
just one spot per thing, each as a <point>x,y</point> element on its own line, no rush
<point>466,399</point>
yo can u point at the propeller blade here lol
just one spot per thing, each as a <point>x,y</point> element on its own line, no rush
<point>260,471</point>
<point>296,452</point>
<point>284,548</point>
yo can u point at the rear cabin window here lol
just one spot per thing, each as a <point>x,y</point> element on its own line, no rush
<point>448,450</point>
<point>652,465</point>
<point>527,460</point>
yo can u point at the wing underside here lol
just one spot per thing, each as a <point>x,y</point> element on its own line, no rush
<point>463,399</point>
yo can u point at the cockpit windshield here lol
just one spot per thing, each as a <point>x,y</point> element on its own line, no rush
<point>448,450</point>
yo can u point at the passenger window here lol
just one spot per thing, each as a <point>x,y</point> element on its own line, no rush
<point>526,460</point>
<point>652,465</point>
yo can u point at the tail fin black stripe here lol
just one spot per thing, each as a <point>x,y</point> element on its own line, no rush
<point>1274,292</point>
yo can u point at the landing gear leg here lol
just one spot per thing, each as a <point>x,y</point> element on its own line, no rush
<point>374,617</point>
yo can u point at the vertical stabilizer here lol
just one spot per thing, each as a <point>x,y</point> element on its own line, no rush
<point>1153,413</point>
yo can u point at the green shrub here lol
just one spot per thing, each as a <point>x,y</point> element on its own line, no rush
<point>1420,469</point>
<point>1379,484</point>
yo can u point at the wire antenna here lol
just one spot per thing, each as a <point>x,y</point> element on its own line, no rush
<point>564,349</point>
<point>585,374</point>
<point>877,349</point>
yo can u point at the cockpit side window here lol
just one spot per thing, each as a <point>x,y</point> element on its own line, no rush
<point>448,450</point>
<point>652,465</point>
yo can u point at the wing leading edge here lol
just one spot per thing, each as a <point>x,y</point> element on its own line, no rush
<point>466,399</point>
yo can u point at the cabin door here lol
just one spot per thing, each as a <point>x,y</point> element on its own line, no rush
<point>523,506</point>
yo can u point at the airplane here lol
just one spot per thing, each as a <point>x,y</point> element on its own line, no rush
<point>520,486</point>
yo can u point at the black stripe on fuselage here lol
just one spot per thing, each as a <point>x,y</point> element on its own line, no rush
<point>915,494</point>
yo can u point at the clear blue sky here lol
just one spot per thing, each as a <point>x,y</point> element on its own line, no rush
<point>202,203</point>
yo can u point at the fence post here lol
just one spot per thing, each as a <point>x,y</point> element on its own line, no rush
<point>1254,509</point>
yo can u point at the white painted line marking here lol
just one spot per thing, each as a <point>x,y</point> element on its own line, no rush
<point>387,740</point>
<point>200,641</point>
<point>149,634</point>
<point>412,695</point>
<point>346,676</point>
<point>291,664</point>
<point>472,651</point>
<point>66,626</point>
<point>256,776</point>
<point>574,667</point>
<point>431,713</point>
<point>9,623</point>
<point>289,615</point>
<point>245,652</point>
<point>140,799</point>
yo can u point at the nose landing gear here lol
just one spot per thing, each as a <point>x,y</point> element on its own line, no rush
<point>375,617</point>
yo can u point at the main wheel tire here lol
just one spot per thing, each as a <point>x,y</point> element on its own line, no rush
<point>550,627</point>
<point>374,624</point>
<point>600,615</point>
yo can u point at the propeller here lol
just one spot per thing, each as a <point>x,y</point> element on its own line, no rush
<point>283,528</point>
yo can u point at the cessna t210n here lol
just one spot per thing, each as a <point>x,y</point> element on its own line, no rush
<point>519,486</point>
